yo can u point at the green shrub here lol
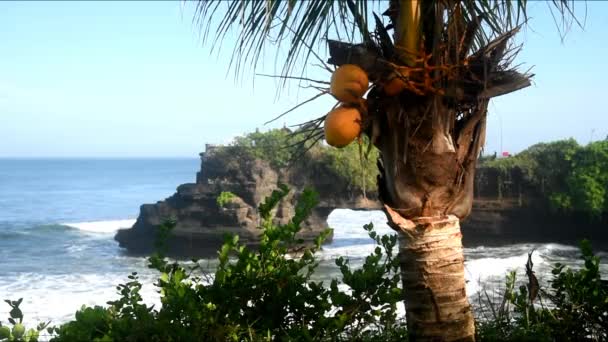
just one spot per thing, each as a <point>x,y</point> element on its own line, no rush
<point>587,183</point>
<point>262,294</point>
<point>280,148</point>
<point>270,146</point>
<point>18,331</point>
<point>574,308</point>
<point>358,167</point>
<point>571,178</point>
<point>269,294</point>
<point>224,198</point>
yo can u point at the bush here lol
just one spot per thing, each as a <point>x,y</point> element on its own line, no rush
<point>576,307</point>
<point>18,332</point>
<point>358,167</point>
<point>571,178</point>
<point>271,146</point>
<point>281,149</point>
<point>268,294</point>
<point>262,294</point>
<point>587,183</point>
<point>224,198</point>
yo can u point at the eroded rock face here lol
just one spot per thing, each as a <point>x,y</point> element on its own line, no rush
<point>504,211</point>
<point>202,224</point>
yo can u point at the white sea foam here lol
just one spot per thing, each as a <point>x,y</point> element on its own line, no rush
<point>57,295</point>
<point>490,272</point>
<point>350,239</point>
<point>485,267</point>
<point>101,226</point>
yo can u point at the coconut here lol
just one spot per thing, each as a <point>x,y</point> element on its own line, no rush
<point>349,83</point>
<point>342,126</point>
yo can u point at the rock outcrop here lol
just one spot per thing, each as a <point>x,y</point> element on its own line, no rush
<point>508,209</point>
<point>202,223</point>
<point>505,210</point>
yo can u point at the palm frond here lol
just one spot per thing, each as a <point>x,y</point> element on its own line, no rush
<point>500,16</point>
<point>258,22</point>
<point>469,36</point>
<point>304,25</point>
<point>296,107</point>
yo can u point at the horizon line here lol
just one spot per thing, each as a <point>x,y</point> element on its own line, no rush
<point>97,157</point>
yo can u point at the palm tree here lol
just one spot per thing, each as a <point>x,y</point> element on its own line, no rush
<point>448,58</point>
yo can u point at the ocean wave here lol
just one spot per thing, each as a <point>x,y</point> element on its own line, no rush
<point>26,233</point>
<point>101,226</point>
<point>11,235</point>
<point>57,297</point>
<point>351,252</point>
<point>58,292</point>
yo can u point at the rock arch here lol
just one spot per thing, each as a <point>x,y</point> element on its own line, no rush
<point>202,223</point>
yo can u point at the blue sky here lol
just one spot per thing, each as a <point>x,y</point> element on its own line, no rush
<point>116,79</point>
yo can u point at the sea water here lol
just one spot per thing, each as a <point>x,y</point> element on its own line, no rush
<point>58,218</point>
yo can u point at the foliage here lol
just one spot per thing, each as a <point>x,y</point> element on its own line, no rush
<point>302,24</point>
<point>356,166</point>
<point>360,170</point>
<point>581,298</point>
<point>551,163</point>
<point>545,165</point>
<point>18,332</point>
<point>587,183</point>
<point>262,294</point>
<point>577,307</point>
<point>271,146</point>
<point>126,318</point>
<point>514,319</point>
<point>224,198</point>
<point>572,178</point>
<point>268,294</point>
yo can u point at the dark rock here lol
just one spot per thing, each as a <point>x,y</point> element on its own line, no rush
<point>505,210</point>
<point>508,209</point>
<point>202,224</point>
<point>505,221</point>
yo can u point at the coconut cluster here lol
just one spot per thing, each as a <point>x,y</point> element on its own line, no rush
<point>343,124</point>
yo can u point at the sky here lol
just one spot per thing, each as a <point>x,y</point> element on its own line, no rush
<point>133,79</point>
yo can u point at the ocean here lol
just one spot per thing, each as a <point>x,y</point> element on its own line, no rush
<point>58,218</point>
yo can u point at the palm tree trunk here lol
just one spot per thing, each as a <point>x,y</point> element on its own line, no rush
<point>426,187</point>
<point>432,271</point>
<point>429,142</point>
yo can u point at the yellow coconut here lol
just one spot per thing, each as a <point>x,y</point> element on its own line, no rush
<point>394,86</point>
<point>349,83</point>
<point>342,126</point>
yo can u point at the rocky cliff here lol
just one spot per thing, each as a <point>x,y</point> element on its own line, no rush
<point>506,209</point>
<point>202,223</point>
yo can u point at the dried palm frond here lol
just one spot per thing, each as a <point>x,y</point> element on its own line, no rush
<point>465,52</point>
<point>303,24</point>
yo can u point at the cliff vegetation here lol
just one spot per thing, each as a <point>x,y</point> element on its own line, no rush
<point>355,164</point>
<point>569,178</point>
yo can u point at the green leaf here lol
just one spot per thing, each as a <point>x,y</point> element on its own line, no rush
<point>18,330</point>
<point>32,335</point>
<point>224,198</point>
<point>164,277</point>
<point>16,313</point>
<point>5,332</point>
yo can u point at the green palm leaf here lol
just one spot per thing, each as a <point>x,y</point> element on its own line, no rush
<point>304,25</point>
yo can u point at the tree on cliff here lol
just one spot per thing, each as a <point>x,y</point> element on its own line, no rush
<point>448,59</point>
